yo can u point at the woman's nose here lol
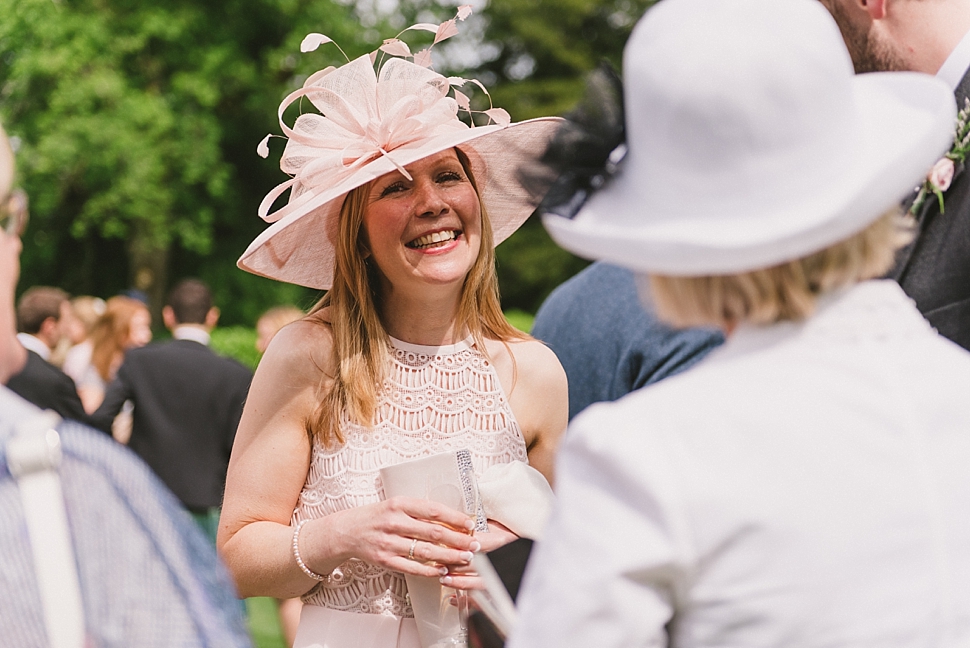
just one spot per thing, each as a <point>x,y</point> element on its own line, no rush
<point>429,200</point>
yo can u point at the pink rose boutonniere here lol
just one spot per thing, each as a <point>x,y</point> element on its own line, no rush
<point>940,177</point>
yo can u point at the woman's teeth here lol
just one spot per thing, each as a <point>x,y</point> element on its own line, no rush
<point>430,240</point>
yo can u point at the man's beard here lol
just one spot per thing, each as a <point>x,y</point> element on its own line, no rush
<point>868,53</point>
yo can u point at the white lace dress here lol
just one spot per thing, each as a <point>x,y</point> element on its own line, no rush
<point>434,399</point>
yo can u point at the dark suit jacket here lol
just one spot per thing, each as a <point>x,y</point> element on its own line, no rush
<point>48,387</point>
<point>188,401</point>
<point>935,269</point>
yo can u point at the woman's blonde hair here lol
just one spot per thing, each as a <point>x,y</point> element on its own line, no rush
<point>787,291</point>
<point>360,341</point>
<point>88,309</point>
<point>109,339</point>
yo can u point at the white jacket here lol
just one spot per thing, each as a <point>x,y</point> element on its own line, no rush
<point>805,485</point>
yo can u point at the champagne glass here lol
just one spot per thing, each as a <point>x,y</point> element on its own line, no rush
<point>469,503</point>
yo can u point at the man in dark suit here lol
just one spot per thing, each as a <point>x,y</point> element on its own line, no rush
<point>188,402</point>
<point>43,316</point>
<point>934,38</point>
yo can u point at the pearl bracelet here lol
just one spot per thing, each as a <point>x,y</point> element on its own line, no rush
<point>296,554</point>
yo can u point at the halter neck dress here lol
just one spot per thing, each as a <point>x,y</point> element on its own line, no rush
<point>433,400</point>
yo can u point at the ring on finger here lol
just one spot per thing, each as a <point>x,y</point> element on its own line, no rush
<point>414,543</point>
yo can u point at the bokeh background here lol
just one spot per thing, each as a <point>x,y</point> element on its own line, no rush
<point>136,124</point>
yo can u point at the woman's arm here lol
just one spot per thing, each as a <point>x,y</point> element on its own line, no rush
<point>268,466</point>
<point>267,471</point>
<point>539,398</point>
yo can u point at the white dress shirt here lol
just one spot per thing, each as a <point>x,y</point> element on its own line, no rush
<point>35,344</point>
<point>193,333</point>
<point>956,64</point>
<point>805,485</point>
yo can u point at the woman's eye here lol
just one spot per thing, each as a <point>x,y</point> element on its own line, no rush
<point>392,188</point>
<point>449,176</point>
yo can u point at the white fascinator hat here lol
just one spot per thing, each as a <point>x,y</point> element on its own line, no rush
<point>751,142</point>
<point>371,122</point>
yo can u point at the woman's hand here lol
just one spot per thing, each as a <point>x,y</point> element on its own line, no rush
<point>498,535</point>
<point>462,576</point>
<point>403,534</point>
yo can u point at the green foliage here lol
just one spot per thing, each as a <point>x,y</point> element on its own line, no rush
<point>520,319</point>
<point>530,266</point>
<point>138,124</point>
<point>545,47</point>
<point>119,136</point>
<point>264,623</point>
<point>237,342</point>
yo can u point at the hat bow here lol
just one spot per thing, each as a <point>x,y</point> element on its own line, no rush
<point>362,117</point>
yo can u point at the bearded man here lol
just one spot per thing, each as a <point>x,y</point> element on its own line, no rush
<point>933,37</point>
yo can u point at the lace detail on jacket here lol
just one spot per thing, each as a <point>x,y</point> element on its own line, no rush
<point>434,399</point>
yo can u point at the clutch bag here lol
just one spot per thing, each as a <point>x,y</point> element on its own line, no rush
<point>441,478</point>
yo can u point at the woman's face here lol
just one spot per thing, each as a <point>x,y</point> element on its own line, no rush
<point>139,329</point>
<point>424,231</point>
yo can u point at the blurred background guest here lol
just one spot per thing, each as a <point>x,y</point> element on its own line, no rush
<point>44,315</point>
<point>270,322</point>
<point>187,403</point>
<point>77,358</point>
<point>125,324</point>
<point>44,318</point>
<point>75,331</point>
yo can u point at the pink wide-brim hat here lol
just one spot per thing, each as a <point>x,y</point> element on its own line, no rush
<point>370,125</point>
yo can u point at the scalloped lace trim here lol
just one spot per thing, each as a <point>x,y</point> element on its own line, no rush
<point>435,399</point>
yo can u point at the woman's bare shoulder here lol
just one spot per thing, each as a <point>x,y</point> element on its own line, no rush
<point>535,363</point>
<point>531,348</point>
<point>539,395</point>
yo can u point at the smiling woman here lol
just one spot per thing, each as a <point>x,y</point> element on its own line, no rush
<point>427,229</point>
<point>395,207</point>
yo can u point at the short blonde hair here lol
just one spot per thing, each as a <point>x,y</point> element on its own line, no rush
<point>787,291</point>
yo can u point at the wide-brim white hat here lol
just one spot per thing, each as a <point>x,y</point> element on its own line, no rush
<point>369,126</point>
<point>751,142</point>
